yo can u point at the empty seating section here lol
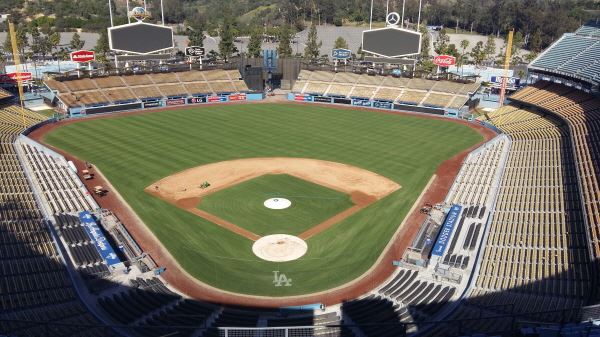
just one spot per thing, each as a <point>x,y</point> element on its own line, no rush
<point>81,85</point>
<point>181,319</point>
<point>475,182</point>
<point>582,112</point>
<point>119,89</point>
<point>120,95</point>
<point>222,87</point>
<point>147,92</point>
<point>438,100</point>
<point>437,94</point>
<point>536,255</point>
<point>34,284</point>
<point>573,54</point>
<point>240,86</point>
<point>78,242</point>
<point>417,297</point>
<point>299,86</point>
<point>109,82</point>
<point>387,94</point>
<point>340,90</point>
<point>69,319</point>
<point>60,186</point>
<point>198,88</point>
<point>164,78</point>
<point>233,318</point>
<point>316,88</point>
<point>145,297</point>
<point>363,92</point>
<point>172,90</point>
<point>412,97</point>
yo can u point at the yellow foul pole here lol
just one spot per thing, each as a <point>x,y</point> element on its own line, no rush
<point>506,66</point>
<point>17,60</point>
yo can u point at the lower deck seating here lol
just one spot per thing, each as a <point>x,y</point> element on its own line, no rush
<point>535,258</point>
<point>35,287</point>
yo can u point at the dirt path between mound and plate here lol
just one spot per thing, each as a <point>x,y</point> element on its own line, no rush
<point>381,270</point>
<point>184,189</point>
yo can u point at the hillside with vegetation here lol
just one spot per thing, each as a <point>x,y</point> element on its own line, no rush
<point>536,22</point>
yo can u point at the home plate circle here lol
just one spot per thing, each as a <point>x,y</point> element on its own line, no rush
<point>279,248</point>
<point>277,203</point>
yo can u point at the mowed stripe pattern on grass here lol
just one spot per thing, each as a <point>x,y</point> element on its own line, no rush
<point>242,204</point>
<point>133,151</point>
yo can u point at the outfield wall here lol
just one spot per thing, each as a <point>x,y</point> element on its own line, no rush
<point>168,102</point>
<point>361,102</point>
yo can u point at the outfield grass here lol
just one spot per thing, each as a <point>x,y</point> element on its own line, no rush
<point>243,204</point>
<point>134,151</point>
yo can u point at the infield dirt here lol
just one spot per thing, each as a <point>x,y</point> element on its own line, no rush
<point>184,189</point>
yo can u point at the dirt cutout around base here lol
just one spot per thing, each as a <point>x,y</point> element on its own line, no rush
<point>185,189</point>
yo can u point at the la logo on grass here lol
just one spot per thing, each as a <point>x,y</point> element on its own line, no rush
<point>279,279</point>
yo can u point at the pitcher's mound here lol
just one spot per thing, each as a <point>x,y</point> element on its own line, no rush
<point>277,203</point>
<point>279,248</point>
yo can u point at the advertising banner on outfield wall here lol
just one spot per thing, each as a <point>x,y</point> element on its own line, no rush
<point>154,104</point>
<point>321,99</point>
<point>361,102</point>
<point>112,108</point>
<point>406,107</point>
<point>342,101</point>
<point>237,97</point>
<point>303,98</point>
<point>178,101</point>
<point>213,99</point>
<point>196,100</point>
<point>382,105</point>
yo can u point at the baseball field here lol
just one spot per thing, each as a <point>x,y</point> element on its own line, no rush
<point>159,162</point>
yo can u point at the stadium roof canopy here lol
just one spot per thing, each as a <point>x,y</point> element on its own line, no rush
<point>574,56</point>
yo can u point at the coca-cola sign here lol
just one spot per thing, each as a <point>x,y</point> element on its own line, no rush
<point>444,60</point>
<point>83,56</point>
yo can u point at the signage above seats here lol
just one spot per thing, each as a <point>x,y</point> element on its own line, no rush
<point>341,54</point>
<point>100,242</point>
<point>16,76</point>
<point>82,56</point>
<point>194,51</point>
<point>444,60</point>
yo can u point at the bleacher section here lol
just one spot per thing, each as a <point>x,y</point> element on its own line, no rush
<point>573,55</point>
<point>120,89</point>
<point>582,113</point>
<point>416,91</point>
<point>34,283</point>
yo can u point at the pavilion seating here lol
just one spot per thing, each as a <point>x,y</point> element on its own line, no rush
<point>118,89</point>
<point>387,94</point>
<point>412,97</point>
<point>172,90</point>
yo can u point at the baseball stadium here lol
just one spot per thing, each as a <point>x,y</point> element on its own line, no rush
<point>273,197</point>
